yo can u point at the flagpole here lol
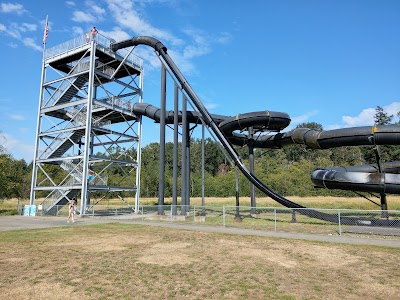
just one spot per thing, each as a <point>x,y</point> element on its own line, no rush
<point>45,35</point>
<point>38,121</point>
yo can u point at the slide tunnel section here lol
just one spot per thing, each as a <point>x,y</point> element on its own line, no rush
<point>364,178</point>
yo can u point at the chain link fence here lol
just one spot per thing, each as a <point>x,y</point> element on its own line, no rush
<point>300,220</point>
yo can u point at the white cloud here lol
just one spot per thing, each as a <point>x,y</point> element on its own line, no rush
<point>12,30</point>
<point>332,127</point>
<point>185,65</point>
<point>130,17</point>
<point>210,105</point>
<point>16,117</point>
<point>200,46</point>
<point>116,34</point>
<point>12,45</point>
<point>197,35</point>
<point>392,109</point>
<point>70,3</point>
<point>127,17</point>
<point>19,149</point>
<point>192,51</point>
<point>95,8</point>
<point>98,10</point>
<point>29,42</point>
<point>12,8</point>
<point>80,16</point>
<point>366,116</point>
<point>15,29</point>
<point>224,38</point>
<point>76,30</point>
<point>150,60</point>
<point>28,27</point>
<point>303,118</point>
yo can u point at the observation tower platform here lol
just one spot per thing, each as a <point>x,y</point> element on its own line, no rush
<point>86,129</point>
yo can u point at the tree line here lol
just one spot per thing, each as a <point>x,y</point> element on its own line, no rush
<point>286,170</point>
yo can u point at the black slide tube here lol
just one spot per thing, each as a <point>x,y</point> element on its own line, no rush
<point>309,137</point>
<point>162,51</point>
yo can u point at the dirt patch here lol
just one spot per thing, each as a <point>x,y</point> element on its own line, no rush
<point>168,254</point>
<point>57,291</point>
<point>287,255</point>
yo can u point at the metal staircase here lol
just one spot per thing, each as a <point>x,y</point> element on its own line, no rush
<point>72,139</point>
<point>55,201</point>
<point>85,123</point>
<point>72,86</point>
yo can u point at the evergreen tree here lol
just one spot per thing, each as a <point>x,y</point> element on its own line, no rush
<point>381,117</point>
<point>387,152</point>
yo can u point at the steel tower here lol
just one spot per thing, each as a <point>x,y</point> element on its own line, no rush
<point>86,130</point>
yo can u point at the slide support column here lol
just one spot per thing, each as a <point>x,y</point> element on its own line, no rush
<point>251,162</point>
<point>162,142</point>
<point>175,157</point>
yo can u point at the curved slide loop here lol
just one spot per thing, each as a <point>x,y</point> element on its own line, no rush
<point>365,178</point>
<point>264,120</point>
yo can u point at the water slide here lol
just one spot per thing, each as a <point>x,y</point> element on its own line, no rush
<point>364,178</point>
<point>224,129</point>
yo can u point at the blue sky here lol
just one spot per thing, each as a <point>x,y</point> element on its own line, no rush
<point>330,62</point>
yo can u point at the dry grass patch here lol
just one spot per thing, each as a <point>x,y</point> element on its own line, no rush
<point>119,261</point>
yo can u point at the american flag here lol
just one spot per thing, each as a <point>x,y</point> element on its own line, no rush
<point>46,31</point>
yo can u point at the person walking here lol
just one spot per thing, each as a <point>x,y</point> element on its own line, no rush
<point>71,210</point>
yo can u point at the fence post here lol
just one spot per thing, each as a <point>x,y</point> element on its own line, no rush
<point>172,208</point>
<point>275,219</point>
<point>223,215</point>
<point>294,220</point>
<point>194,214</point>
<point>339,223</point>
<point>142,213</point>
